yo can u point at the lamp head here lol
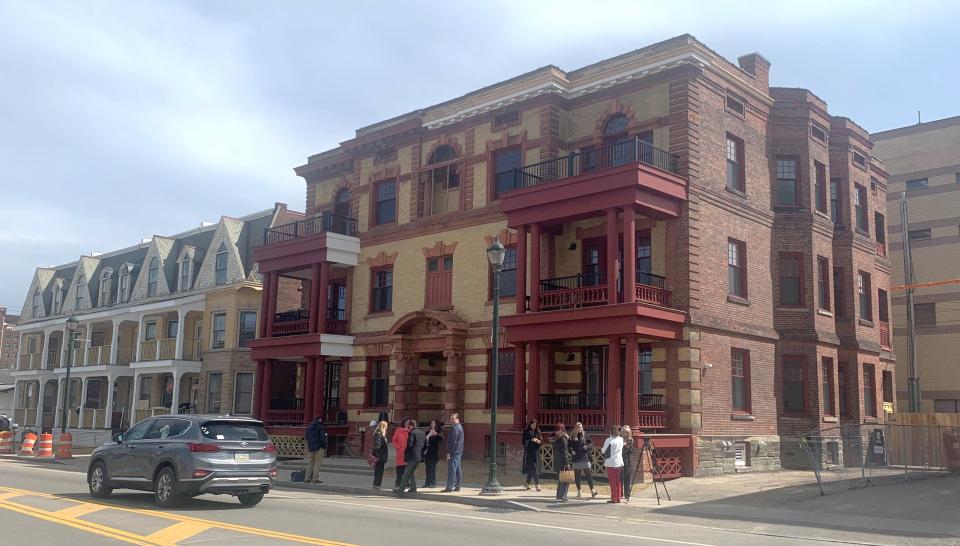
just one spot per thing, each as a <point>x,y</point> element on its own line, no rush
<point>496,254</point>
<point>72,324</point>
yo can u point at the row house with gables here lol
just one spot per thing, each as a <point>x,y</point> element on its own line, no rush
<point>690,251</point>
<point>164,327</point>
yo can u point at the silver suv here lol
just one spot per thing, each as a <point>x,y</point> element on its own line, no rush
<point>177,456</point>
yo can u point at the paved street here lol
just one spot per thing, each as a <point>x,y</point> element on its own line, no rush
<point>49,503</point>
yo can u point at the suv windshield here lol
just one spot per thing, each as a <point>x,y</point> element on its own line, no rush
<point>233,431</point>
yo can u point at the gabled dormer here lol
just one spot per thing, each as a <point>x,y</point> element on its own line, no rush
<point>35,305</point>
<point>222,264</point>
<point>188,262</point>
<point>105,291</point>
<point>79,297</point>
<point>126,277</point>
<point>152,282</point>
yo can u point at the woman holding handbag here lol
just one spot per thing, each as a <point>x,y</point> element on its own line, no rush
<point>561,461</point>
<point>580,444</point>
<point>532,440</point>
<point>379,454</point>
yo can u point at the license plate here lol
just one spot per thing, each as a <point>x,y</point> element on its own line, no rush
<point>241,457</point>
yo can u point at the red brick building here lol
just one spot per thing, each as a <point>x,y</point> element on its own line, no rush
<point>690,251</point>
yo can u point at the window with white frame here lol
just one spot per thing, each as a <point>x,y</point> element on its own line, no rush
<point>218,333</point>
<point>214,386</point>
<point>220,269</point>
<point>153,274</point>
<point>247,328</point>
<point>185,273</point>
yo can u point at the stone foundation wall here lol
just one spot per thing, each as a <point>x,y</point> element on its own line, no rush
<point>716,458</point>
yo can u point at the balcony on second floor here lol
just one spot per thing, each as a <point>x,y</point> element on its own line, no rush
<point>322,238</point>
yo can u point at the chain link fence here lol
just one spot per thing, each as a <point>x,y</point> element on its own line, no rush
<point>853,456</point>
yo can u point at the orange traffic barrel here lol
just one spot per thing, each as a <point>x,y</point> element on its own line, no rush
<point>64,450</point>
<point>45,446</point>
<point>27,447</point>
<point>6,442</point>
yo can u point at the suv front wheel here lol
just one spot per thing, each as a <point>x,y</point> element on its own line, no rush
<point>165,488</point>
<point>97,481</point>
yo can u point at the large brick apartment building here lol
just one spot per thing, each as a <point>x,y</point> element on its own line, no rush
<point>690,251</point>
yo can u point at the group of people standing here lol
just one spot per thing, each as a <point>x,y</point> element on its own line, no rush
<point>571,452</point>
<point>414,446</point>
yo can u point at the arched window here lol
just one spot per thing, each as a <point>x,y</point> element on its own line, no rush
<point>81,290</point>
<point>442,184</point>
<point>341,204</point>
<point>152,275</point>
<point>37,302</point>
<point>58,297</point>
<point>123,291</point>
<point>185,273</point>
<point>220,268</point>
<point>106,287</point>
<point>616,127</point>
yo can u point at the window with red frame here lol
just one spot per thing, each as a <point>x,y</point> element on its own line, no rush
<point>504,163</point>
<point>378,383</point>
<point>794,387</point>
<point>823,283</point>
<point>505,367</point>
<point>860,206</point>
<point>827,365</point>
<point>869,391</point>
<point>791,280</point>
<point>740,379</point>
<point>381,293</point>
<point>737,268</point>
<point>820,185</point>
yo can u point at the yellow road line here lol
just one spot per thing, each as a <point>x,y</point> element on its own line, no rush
<point>9,495</point>
<point>89,527</point>
<point>181,518</point>
<point>177,532</point>
<point>77,510</point>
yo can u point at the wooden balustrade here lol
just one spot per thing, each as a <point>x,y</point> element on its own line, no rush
<point>284,417</point>
<point>652,294</point>
<point>167,349</point>
<point>573,298</point>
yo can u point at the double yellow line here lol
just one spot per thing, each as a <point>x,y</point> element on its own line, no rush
<point>184,528</point>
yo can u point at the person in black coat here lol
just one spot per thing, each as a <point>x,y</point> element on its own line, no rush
<point>381,451</point>
<point>561,459</point>
<point>532,440</point>
<point>413,456</point>
<point>580,445</point>
<point>626,478</point>
<point>431,453</point>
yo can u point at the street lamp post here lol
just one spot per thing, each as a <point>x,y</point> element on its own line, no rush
<point>495,255</point>
<point>72,324</point>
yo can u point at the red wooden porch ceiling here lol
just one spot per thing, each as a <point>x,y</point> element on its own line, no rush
<point>602,320</point>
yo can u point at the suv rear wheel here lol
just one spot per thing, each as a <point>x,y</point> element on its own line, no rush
<point>97,481</point>
<point>165,488</point>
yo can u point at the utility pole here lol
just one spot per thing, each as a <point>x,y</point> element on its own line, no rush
<point>913,375</point>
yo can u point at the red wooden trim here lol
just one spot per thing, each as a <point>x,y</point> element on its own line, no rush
<point>521,297</point>
<point>535,277</point>
<point>439,249</point>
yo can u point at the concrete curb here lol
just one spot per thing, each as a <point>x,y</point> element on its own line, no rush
<point>501,503</point>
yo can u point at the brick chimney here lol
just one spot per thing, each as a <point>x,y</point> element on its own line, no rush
<point>757,66</point>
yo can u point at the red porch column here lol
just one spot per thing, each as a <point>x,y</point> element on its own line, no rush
<point>319,389</point>
<point>629,256</point>
<point>265,391</point>
<point>521,271</point>
<point>612,249</point>
<point>535,267</point>
<point>264,304</point>
<point>631,404</point>
<point>314,301</point>
<point>271,308</point>
<point>322,304</point>
<point>533,381</point>
<point>308,389</point>
<point>613,382</point>
<point>519,385</point>
<point>258,389</point>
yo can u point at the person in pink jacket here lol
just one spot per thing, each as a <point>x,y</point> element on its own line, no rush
<point>399,442</point>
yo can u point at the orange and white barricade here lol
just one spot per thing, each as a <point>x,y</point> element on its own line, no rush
<point>26,448</point>
<point>45,446</point>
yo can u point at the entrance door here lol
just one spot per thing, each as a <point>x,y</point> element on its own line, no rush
<point>49,404</point>
<point>337,307</point>
<point>331,391</point>
<point>594,265</point>
<point>594,366</point>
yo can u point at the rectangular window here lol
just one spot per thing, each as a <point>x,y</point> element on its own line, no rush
<point>506,368</point>
<point>382,293</point>
<point>214,386</point>
<point>508,275</point>
<point>879,228</point>
<point>504,163</point>
<point>887,386</point>
<point>379,381</point>
<point>874,184</point>
<point>835,212</point>
<point>185,274</point>
<point>243,394</point>
<point>869,391</point>
<point>842,387</point>
<point>385,206</point>
<point>827,365</point>
<point>818,132</point>
<point>220,268</point>
<point>735,164</point>
<point>740,379</point>
<point>820,185</point>
<point>882,309</point>
<point>172,327</point>
<point>859,159</point>
<point>919,234</point>
<point>860,205</point>
<point>917,184</point>
<point>794,389</point>
<point>146,386</point>
<point>786,189</point>
<point>218,334</point>
<point>925,314</point>
<point>248,328</point>
<point>791,279</point>
<point>645,370</point>
<point>823,283</point>
<point>735,105</point>
<point>150,331</point>
<point>93,394</point>
<point>865,293</point>
<point>737,268</point>
<point>442,187</point>
<point>838,291</point>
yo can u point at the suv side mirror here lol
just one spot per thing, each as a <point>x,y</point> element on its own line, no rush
<point>118,438</point>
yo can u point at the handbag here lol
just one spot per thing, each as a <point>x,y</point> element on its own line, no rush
<point>567,476</point>
<point>608,452</point>
<point>372,459</point>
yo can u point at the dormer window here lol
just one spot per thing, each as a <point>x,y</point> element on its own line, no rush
<point>152,275</point>
<point>185,267</point>
<point>123,291</point>
<point>37,302</point>
<point>220,269</point>
<point>106,287</point>
<point>58,297</point>
<point>81,289</point>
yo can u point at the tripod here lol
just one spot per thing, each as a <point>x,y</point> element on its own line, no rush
<point>648,446</point>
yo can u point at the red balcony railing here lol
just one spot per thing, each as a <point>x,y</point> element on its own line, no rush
<point>291,323</point>
<point>884,334</point>
<point>309,227</point>
<point>337,322</point>
<point>284,417</point>
<point>881,249</point>
<point>651,294</point>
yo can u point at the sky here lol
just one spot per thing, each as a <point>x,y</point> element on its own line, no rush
<point>120,120</point>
